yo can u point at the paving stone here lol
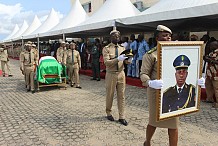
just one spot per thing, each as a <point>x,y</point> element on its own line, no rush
<point>54,117</point>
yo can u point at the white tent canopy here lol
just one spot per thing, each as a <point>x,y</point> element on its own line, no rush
<point>166,10</point>
<point>15,30</point>
<point>113,9</point>
<point>76,15</point>
<point>34,25</point>
<point>21,30</point>
<point>49,23</point>
<point>106,15</point>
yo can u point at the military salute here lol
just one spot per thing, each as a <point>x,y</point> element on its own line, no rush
<point>115,76</point>
<point>74,64</point>
<point>4,60</point>
<point>181,95</point>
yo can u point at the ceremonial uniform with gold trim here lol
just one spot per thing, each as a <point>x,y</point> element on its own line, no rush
<point>174,100</point>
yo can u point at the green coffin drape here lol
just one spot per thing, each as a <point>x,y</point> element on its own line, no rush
<point>50,67</point>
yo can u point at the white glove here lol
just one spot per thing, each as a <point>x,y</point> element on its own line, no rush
<point>122,57</point>
<point>201,82</point>
<point>156,84</point>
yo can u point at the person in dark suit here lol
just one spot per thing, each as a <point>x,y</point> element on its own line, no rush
<point>182,95</point>
<point>83,53</point>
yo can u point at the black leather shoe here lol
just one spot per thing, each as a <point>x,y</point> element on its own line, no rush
<point>79,87</point>
<point>110,118</point>
<point>98,79</point>
<point>3,75</point>
<point>93,79</point>
<point>10,75</point>
<point>33,91</point>
<point>28,90</point>
<point>72,84</point>
<point>123,121</point>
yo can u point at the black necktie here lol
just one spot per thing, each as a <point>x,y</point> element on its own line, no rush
<point>180,90</point>
<point>116,54</point>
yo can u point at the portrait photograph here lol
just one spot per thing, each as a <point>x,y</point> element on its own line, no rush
<point>180,67</point>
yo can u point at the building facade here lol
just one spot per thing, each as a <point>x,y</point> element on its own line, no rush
<point>91,6</point>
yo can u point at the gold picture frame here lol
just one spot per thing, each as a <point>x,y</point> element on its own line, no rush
<point>170,102</point>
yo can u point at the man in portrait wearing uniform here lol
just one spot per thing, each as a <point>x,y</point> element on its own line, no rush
<point>115,76</point>
<point>74,64</point>
<point>182,95</point>
<point>4,60</point>
<point>29,60</point>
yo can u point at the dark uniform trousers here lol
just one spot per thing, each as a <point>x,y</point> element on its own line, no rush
<point>96,68</point>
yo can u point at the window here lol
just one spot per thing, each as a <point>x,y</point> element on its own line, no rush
<point>87,7</point>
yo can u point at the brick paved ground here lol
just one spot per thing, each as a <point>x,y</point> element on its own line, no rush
<point>76,117</point>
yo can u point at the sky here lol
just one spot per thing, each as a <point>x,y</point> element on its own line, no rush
<point>14,12</point>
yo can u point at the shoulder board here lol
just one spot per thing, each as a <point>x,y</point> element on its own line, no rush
<point>152,50</point>
<point>169,89</point>
<point>107,46</point>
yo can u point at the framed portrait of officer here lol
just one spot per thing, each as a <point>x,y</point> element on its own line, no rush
<point>180,68</point>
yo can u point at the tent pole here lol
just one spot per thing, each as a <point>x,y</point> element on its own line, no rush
<point>63,37</point>
<point>22,42</point>
<point>38,46</point>
<point>12,47</point>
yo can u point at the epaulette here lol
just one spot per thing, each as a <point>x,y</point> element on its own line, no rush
<point>107,46</point>
<point>152,50</point>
